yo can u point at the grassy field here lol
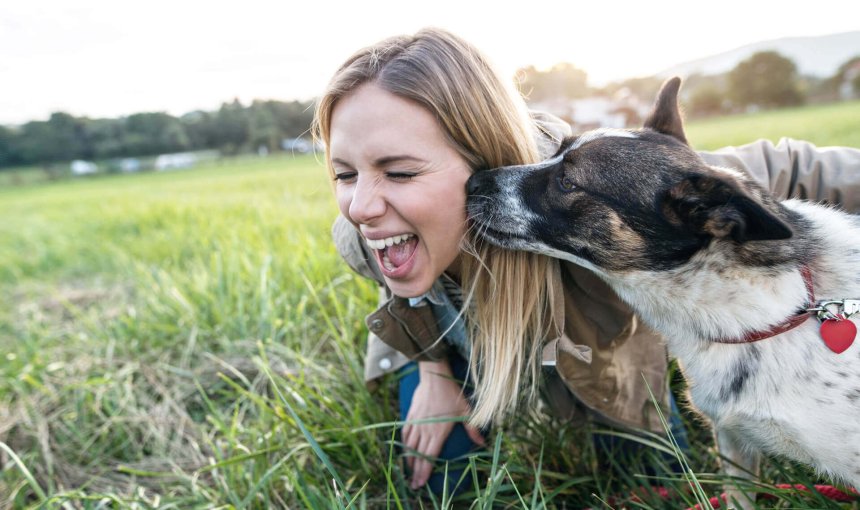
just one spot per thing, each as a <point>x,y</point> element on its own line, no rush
<point>823,125</point>
<point>191,340</point>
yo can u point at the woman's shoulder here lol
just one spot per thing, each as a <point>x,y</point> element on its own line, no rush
<point>551,131</point>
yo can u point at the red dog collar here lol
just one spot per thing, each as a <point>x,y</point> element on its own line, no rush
<point>791,323</point>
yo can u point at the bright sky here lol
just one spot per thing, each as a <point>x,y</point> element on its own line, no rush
<point>106,58</point>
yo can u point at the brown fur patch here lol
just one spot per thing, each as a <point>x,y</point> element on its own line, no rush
<point>627,241</point>
<point>720,222</point>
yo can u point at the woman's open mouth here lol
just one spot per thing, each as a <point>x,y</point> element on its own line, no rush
<point>395,255</point>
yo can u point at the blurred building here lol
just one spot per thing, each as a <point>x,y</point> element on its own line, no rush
<point>622,110</point>
<point>81,167</point>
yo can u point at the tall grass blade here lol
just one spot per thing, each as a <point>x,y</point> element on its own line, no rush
<point>26,472</point>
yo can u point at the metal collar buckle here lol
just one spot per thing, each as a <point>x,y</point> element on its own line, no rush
<point>845,308</point>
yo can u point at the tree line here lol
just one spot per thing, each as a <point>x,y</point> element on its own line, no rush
<point>765,80</point>
<point>231,129</point>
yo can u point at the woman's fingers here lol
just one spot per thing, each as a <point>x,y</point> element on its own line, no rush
<point>406,434</point>
<point>421,473</point>
<point>423,444</point>
<point>429,447</point>
<point>420,465</point>
<point>410,442</point>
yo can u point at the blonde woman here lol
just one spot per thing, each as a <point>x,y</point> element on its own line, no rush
<point>405,123</point>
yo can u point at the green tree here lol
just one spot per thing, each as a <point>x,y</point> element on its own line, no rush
<point>765,79</point>
<point>293,118</point>
<point>845,73</point>
<point>153,133</point>
<point>201,128</point>
<point>232,127</point>
<point>262,126</point>
<point>60,138</point>
<point>7,155</point>
<point>105,136</point>
<point>706,99</point>
<point>562,81</point>
<point>67,138</point>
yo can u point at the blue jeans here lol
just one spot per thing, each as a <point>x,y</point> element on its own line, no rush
<point>458,446</point>
<point>611,448</point>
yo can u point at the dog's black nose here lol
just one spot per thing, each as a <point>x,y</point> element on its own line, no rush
<point>473,184</point>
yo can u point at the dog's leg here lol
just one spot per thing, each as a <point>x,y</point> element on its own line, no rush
<point>740,463</point>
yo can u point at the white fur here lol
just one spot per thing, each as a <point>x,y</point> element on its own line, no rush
<point>797,401</point>
<point>578,142</point>
<point>737,174</point>
<point>786,395</point>
<point>594,134</point>
<point>520,217</point>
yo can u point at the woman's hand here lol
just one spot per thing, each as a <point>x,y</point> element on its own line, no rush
<point>437,395</point>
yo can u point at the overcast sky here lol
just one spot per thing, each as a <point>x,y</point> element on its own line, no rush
<point>106,58</point>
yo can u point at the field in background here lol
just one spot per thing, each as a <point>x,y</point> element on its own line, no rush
<point>823,125</point>
<point>191,340</point>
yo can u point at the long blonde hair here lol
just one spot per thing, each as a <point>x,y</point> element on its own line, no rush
<point>486,121</point>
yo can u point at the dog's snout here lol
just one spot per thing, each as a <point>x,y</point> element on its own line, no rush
<point>473,185</point>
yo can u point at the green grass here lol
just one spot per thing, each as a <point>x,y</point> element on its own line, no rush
<point>823,125</point>
<point>191,340</point>
<point>19,176</point>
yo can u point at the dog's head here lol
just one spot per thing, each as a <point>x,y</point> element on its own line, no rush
<point>623,199</point>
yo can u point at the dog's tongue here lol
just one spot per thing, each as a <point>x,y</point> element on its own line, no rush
<point>400,253</point>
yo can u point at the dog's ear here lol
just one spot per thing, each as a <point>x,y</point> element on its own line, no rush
<point>666,117</point>
<point>714,207</point>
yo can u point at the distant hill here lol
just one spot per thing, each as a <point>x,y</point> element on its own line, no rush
<point>817,56</point>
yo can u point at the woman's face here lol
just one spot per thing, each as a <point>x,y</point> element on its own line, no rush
<point>401,184</point>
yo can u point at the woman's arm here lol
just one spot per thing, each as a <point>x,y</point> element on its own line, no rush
<point>798,169</point>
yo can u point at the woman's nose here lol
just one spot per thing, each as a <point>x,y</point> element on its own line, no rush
<point>367,202</point>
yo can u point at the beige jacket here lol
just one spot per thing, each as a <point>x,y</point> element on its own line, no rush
<point>605,352</point>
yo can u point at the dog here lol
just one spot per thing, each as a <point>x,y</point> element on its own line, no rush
<point>753,296</point>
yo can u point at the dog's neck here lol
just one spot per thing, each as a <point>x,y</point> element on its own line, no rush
<point>721,292</point>
<point>710,303</point>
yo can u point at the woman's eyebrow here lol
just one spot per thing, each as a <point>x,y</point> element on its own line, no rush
<point>387,160</point>
<point>383,161</point>
<point>341,162</point>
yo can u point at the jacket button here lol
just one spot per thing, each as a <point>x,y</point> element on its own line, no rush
<point>385,363</point>
<point>376,324</point>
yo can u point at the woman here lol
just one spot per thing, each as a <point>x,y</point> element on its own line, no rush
<point>405,122</point>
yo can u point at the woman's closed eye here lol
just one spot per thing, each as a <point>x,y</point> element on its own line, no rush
<point>400,176</point>
<point>344,176</point>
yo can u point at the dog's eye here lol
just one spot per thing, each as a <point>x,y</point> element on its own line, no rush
<point>566,183</point>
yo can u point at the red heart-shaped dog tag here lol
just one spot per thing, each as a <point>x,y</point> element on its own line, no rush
<point>838,334</point>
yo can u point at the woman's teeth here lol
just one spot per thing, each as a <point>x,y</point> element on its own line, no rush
<point>381,244</point>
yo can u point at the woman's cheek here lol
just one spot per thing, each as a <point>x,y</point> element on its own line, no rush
<point>343,199</point>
